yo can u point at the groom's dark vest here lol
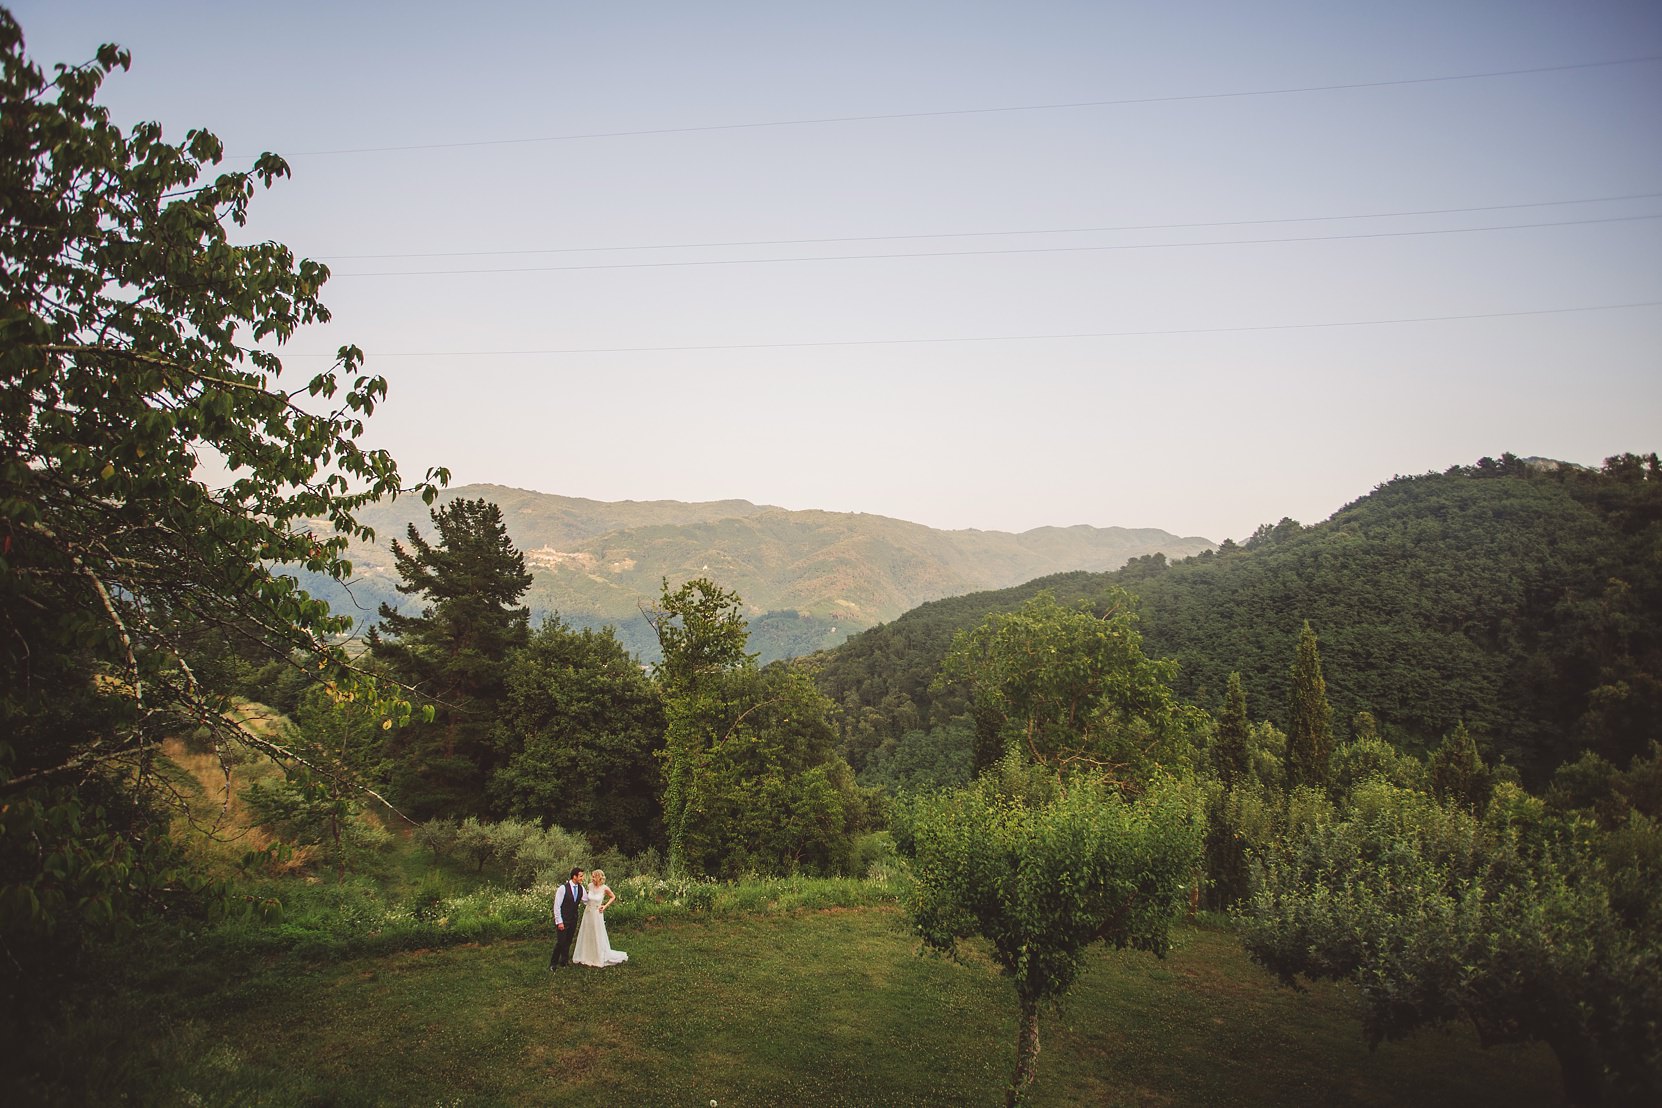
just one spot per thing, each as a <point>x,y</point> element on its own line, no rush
<point>570,903</point>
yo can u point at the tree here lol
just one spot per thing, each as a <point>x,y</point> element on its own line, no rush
<point>1457,772</point>
<point>325,812</point>
<point>1436,915</point>
<point>136,340</point>
<point>1070,687</point>
<point>583,725</point>
<point>455,653</point>
<point>1367,758</point>
<point>1309,717</point>
<point>1231,745</point>
<point>1042,870</point>
<point>1528,604</point>
<point>701,633</point>
<point>700,630</point>
<point>1227,874</point>
<point>752,777</point>
<point>766,791</point>
<point>923,761</point>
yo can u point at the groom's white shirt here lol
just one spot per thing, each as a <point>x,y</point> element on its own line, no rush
<point>576,894</point>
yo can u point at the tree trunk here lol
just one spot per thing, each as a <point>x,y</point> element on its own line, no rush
<point>1579,1065</point>
<point>1027,1051</point>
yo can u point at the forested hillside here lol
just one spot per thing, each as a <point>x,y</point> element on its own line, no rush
<point>1521,597</point>
<point>809,578</point>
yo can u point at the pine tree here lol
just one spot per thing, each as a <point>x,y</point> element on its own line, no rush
<point>455,654</point>
<point>1309,717</point>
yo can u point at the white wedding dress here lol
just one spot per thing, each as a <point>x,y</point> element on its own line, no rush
<point>592,947</point>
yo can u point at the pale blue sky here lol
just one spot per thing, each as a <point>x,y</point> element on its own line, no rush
<point>1210,431</point>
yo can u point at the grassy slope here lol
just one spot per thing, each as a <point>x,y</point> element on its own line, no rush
<point>821,1007</point>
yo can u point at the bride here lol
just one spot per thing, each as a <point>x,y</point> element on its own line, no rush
<point>592,948</point>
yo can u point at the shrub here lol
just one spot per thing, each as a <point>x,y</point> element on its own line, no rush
<point>648,862</point>
<point>438,835</point>
<point>1436,915</point>
<point>542,856</point>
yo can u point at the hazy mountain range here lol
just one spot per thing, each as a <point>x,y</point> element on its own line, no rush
<point>809,579</point>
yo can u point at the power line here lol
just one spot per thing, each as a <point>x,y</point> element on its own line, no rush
<point>989,253</point>
<point>1007,338</point>
<point>989,234</point>
<point>1124,101</point>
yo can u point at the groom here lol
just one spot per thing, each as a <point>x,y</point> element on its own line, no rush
<point>568,908</point>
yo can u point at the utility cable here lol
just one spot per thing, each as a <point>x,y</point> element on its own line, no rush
<point>1007,338</point>
<point>1123,101</point>
<point>987,234</point>
<point>989,253</point>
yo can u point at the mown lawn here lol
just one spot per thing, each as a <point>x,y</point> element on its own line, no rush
<point>810,1007</point>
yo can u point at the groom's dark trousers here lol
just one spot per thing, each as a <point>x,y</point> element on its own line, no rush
<point>571,910</point>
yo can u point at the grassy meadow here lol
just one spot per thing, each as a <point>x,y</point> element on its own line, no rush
<point>802,1006</point>
<point>414,980</point>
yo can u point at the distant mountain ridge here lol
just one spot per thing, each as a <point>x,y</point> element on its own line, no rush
<point>809,579</point>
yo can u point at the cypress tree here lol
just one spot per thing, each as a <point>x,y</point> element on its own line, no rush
<point>1227,875</point>
<point>1231,756</point>
<point>1309,717</point>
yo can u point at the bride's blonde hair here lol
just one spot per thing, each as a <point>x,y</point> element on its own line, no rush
<point>597,877</point>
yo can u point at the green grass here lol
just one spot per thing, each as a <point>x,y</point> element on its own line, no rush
<point>809,1006</point>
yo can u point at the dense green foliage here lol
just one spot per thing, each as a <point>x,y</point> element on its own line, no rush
<point>1508,922</point>
<point>1042,870</point>
<point>1522,598</point>
<point>1069,688</point>
<point>583,725</point>
<point>883,681</point>
<point>753,781</point>
<point>1231,752</point>
<point>922,761</point>
<point>136,340</point>
<point>1309,717</point>
<point>1519,599</point>
<point>455,653</point>
<point>1456,772</point>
